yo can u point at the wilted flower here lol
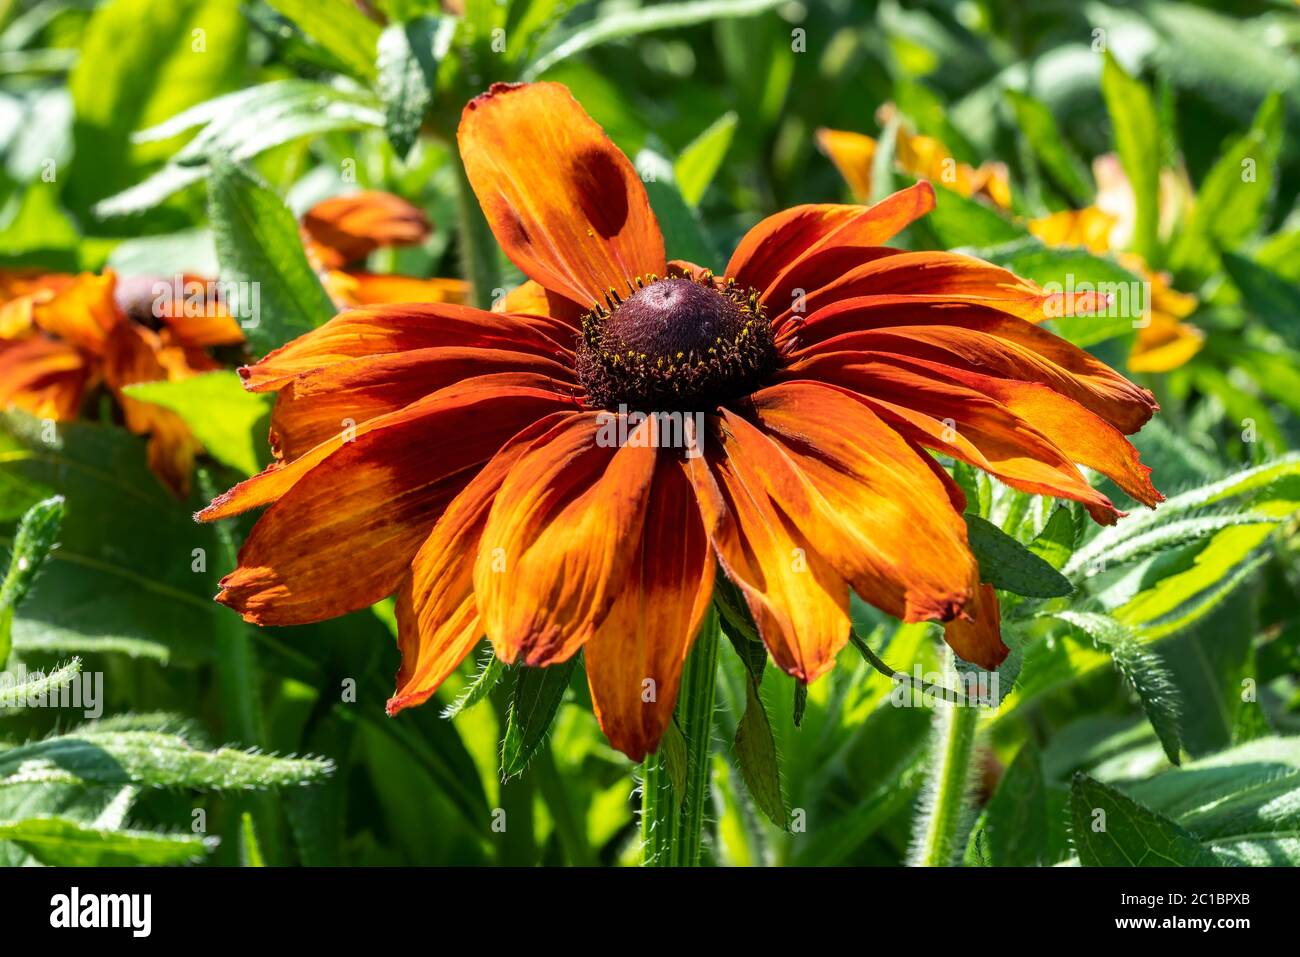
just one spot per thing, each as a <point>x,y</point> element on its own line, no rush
<point>453,455</point>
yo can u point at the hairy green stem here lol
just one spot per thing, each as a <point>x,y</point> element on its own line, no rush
<point>672,825</point>
<point>941,827</point>
<point>478,247</point>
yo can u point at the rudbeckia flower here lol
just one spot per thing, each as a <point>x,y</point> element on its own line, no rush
<point>921,156</point>
<point>454,456</point>
<point>340,232</point>
<point>64,336</point>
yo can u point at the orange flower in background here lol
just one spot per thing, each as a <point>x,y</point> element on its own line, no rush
<point>341,232</point>
<point>460,458</point>
<point>921,156</point>
<point>64,336</point>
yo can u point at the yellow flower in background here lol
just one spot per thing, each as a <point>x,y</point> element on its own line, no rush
<point>921,156</point>
<point>1166,342</point>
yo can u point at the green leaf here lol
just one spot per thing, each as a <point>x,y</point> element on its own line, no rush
<point>1142,670</point>
<point>1006,564</point>
<point>245,124</point>
<point>961,221</point>
<point>1107,551</point>
<point>701,158</point>
<point>1015,822</point>
<point>90,757</point>
<point>1232,202</point>
<point>673,749</point>
<point>276,294</point>
<point>108,587</point>
<point>62,842</point>
<point>536,698</point>
<point>1112,830</point>
<point>485,679</point>
<point>227,419</point>
<point>340,28</point>
<point>38,685</point>
<point>1271,298</point>
<point>141,62</point>
<point>684,233</point>
<point>624,24</point>
<point>1136,130</point>
<point>755,749</point>
<point>409,54</point>
<point>1055,543</point>
<point>1038,126</point>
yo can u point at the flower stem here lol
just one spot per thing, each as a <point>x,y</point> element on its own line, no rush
<point>672,825</point>
<point>478,248</point>
<point>941,827</point>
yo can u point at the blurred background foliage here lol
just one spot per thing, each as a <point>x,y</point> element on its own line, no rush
<point>154,137</point>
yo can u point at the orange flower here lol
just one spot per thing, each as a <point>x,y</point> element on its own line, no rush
<point>342,231</point>
<point>922,156</point>
<point>67,335</point>
<point>460,458</point>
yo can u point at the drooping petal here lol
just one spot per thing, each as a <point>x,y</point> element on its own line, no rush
<point>958,421</point>
<point>978,638</point>
<point>560,540</point>
<point>566,205</point>
<point>982,339</point>
<point>347,229</point>
<point>276,479</point>
<point>799,603</point>
<point>383,330</point>
<point>344,534</point>
<point>634,661</point>
<point>44,377</point>
<point>320,405</point>
<point>873,506</point>
<point>779,244</point>
<point>437,616</point>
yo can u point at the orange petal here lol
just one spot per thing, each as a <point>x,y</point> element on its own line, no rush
<point>382,330</point>
<point>856,488</point>
<point>437,617</point>
<point>778,244</point>
<point>531,298</point>
<point>560,541</point>
<point>943,276</point>
<point>799,603</point>
<point>566,205</point>
<point>132,355</point>
<point>960,422</point>
<point>82,313</point>
<point>44,377</point>
<point>318,406</point>
<point>351,289</point>
<point>347,229</point>
<point>344,535</point>
<point>978,639</point>
<point>273,482</point>
<point>190,307</point>
<point>634,661</point>
<point>852,154</point>
<point>983,339</point>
